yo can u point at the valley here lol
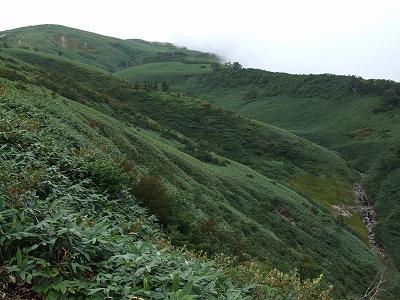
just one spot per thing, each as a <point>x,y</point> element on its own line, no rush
<point>369,217</point>
<point>149,170</point>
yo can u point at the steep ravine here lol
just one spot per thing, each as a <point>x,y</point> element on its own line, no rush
<point>369,217</point>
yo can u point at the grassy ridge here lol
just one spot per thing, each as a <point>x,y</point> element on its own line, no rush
<point>216,203</point>
<point>234,203</point>
<point>358,118</point>
<point>274,152</point>
<point>67,236</point>
<point>161,71</point>
<point>217,181</point>
<point>109,53</point>
<point>214,129</point>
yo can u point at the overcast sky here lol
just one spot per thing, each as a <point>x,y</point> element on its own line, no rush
<point>360,37</point>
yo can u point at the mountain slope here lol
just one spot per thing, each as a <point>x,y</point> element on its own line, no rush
<point>70,227</point>
<point>283,155</point>
<point>228,184</point>
<point>358,118</point>
<point>109,53</point>
<point>231,202</point>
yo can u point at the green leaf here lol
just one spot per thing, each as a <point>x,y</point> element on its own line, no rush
<point>175,283</point>
<point>19,256</point>
<point>146,284</point>
<point>186,290</point>
<point>31,248</point>
<point>29,278</point>
<point>63,288</point>
<point>93,291</point>
<point>73,266</point>
<point>22,275</point>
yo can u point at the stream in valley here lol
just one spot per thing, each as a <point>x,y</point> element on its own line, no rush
<point>369,217</point>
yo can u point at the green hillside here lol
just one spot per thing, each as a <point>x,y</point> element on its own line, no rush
<point>109,53</point>
<point>207,197</point>
<point>107,153</point>
<point>70,226</point>
<point>161,71</point>
<point>358,118</point>
<point>355,117</point>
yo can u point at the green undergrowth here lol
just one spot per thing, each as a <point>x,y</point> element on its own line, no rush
<point>161,71</point>
<point>327,191</point>
<point>272,151</point>
<point>355,221</point>
<point>73,228</point>
<point>357,118</point>
<point>108,53</point>
<point>231,209</point>
<point>65,237</point>
<point>216,181</point>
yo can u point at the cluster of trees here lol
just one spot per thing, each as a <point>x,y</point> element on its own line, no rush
<point>12,75</point>
<point>249,95</point>
<point>114,176</point>
<point>390,100</point>
<point>391,97</point>
<point>203,155</point>
<point>388,90</point>
<point>330,86</point>
<point>234,65</point>
<point>6,45</point>
<point>152,86</point>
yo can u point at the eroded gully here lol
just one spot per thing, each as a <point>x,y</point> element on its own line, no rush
<point>369,217</point>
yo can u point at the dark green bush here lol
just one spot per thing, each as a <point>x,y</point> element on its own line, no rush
<point>108,175</point>
<point>155,197</point>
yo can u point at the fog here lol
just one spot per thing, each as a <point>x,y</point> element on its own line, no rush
<point>310,36</point>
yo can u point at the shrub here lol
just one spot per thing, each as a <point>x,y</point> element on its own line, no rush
<point>274,284</point>
<point>251,94</point>
<point>12,75</point>
<point>309,268</point>
<point>108,175</point>
<point>154,196</point>
<point>76,241</point>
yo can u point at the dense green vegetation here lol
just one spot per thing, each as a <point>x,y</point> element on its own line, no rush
<point>99,149</point>
<point>66,236</point>
<point>284,156</point>
<point>162,71</point>
<point>109,53</point>
<point>66,214</point>
<point>358,118</point>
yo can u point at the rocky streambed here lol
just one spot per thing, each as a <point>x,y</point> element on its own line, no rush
<point>369,217</point>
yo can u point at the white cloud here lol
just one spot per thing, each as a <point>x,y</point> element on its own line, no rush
<point>297,36</point>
